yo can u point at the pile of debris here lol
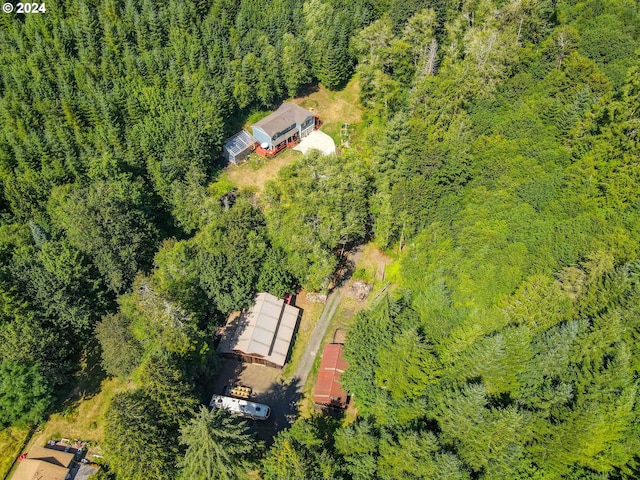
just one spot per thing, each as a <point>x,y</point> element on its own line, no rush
<point>360,289</point>
<point>317,297</point>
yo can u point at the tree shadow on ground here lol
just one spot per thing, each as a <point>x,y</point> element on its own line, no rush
<point>346,268</point>
<point>227,377</point>
<point>308,90</point>
<point>335,413</point>
<point>86,382</point>
<point>282,399</point>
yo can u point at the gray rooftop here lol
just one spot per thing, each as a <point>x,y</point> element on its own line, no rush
<point>286,115</point>
<point>85,471</point>
<point>265,330</point>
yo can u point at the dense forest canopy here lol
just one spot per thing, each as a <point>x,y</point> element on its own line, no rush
<point>497,159</point>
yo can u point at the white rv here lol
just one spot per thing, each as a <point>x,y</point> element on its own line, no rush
<point>238,406</point>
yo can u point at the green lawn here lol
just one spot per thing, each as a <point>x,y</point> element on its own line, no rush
<point>311,314</point>
<point>254,173</point>
<point>84,421</point>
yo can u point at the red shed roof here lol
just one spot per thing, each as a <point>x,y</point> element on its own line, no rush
<point>328,389</point>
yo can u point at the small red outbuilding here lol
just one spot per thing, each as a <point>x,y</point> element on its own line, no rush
<point>328,389</point>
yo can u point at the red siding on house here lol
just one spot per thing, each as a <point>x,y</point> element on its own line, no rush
<point>328,389</point>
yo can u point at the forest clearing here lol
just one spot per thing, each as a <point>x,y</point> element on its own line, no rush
<point>487,168</point>
<point>333,108</point>
<point>81,419</point>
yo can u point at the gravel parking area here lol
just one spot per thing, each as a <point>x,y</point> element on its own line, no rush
<point>317,140</point>
<point>268,388</point>
<point>258,377</point>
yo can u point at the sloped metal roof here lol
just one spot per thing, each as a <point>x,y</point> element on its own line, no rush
<point>328,390</point>
<point>284,117</point>
<point>265,330</point>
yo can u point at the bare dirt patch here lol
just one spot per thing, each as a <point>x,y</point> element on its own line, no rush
<point>375,260</point>
<point>340,335</point>
<point>267,387</point>
<point>235,373</point>
<point>359,289</point>
<point>370,273</point>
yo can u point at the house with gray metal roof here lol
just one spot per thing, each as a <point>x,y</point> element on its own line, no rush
<point>286,123</point>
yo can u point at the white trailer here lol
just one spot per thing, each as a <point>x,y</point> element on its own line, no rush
<point>243,408</point>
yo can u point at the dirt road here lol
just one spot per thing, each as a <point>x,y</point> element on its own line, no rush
<point>283,397</point>
<point>333,300</point>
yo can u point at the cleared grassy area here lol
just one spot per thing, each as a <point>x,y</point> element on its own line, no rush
<point>310,315</point>
<point>377,267</point>
<point>256,171</point>
<point>83,421</point>
<point>11,440</point>
<point>335,108</point>
<point>342,106</point>
<point>333,130</point>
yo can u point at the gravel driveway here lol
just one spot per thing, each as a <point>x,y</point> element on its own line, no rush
<point>317,140</point>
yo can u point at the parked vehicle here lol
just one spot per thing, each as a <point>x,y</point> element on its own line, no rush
<point>243,408</point>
